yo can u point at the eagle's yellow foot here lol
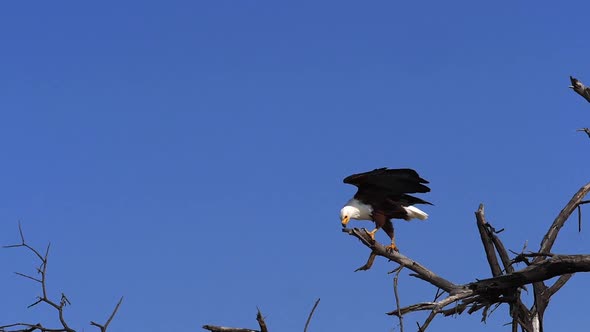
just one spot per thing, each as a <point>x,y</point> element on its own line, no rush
<point>372,233</point>
<point>392,247</point>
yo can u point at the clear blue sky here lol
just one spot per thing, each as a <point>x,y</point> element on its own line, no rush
<point>189,155</point>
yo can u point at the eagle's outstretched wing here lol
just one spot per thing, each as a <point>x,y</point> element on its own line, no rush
<point>393,181</point>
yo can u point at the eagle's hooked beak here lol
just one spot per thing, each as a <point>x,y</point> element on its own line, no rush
<point>345,221</point>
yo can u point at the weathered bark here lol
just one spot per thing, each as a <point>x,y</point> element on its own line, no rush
<point>580,88</point>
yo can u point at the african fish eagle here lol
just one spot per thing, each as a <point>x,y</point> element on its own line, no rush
<point>382,195</point>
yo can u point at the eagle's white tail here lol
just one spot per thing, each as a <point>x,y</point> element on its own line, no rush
<point>414,212</point>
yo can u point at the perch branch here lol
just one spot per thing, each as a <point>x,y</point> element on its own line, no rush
<point>421,271</point>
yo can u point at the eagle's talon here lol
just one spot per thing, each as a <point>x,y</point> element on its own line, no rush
<point>391,248</point>
<point>372,234</point>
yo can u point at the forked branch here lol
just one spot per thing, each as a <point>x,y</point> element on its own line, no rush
<point>43,298</point>
<point>103,327</point>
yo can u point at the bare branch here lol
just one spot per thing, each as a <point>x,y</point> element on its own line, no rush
<point>311,314</point>
<point>421,271</point>
<point>500,249</point>
<point>261,322</point>
<point>27,276</point>
<point>586,130</point>
<point>39,300</point>
<point>104,327</point>
<point>540,271</point>
<point>558,284</point>
<point>435,306</point>
<point>487,242</point>
<point>214,328</point>
<point>368,264</point>
<point>427,321</point>
<point>396,294</point>
<point>524,257</point>
<point>549,238</point>
<point>580,88</point>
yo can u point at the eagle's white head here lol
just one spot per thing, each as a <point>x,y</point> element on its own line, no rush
<point>354,209</point>
<point>348,212</point>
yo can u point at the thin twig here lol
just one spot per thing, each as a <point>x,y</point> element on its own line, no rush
<point>27,276</point>
<point>439,293</point>
<point>397,301</point>
<point>428,321</point>
<point>549,238</point>
<point>104,327</point>
<point>311,314</point>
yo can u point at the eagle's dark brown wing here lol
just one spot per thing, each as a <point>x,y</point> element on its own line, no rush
<point>391,181</point>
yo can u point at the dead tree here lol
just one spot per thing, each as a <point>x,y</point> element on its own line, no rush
<point>506,282</point>
<point>504,286</point>
<point>59,306</point>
